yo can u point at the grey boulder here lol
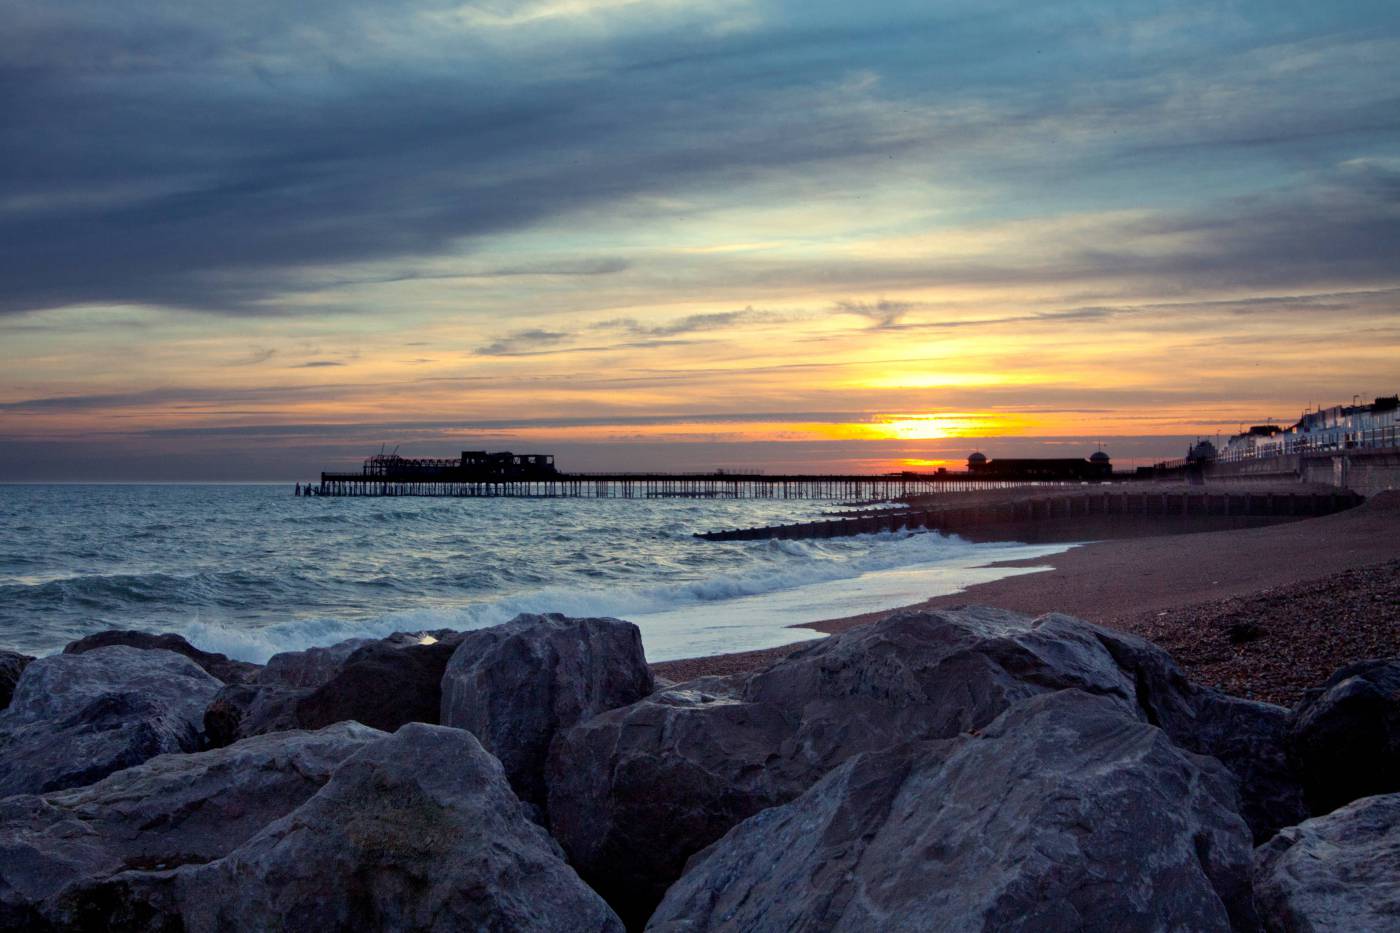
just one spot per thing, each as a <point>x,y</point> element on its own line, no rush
<point>383,683</point>
<point>1339,872</point>
<point>219,666</point>
<point>418,831</point>
<point>170,811</point>
<point>515,686</point>
<point>1066,813</point>
<point>76,718</point>
<point>12,664</point>
<point>1346,736</point>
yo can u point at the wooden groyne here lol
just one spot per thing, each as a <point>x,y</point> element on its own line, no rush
<point>1079,515</point>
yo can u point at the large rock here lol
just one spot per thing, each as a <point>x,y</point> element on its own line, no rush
<point>418,831</point>
<point>219,666</point>
<point>170,811</point>
<point>1249,738</point>
<point>12,664</point>
<point>383,683</point>
<point>1346,737</point>
<point>1339,872</point>
<point>76,718</point>
<point>310,667</point>
<point>515,686</point>
<point>636,791</point>
<point>1066,813</point>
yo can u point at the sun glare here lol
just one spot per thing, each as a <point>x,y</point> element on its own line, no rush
<point>930,427</point>
<point>918,429</point>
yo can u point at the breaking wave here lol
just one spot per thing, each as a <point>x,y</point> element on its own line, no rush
<point>251,571</point>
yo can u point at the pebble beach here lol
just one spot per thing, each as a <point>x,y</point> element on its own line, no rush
<point>1264,613</point>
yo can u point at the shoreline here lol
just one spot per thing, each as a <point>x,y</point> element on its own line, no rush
<point>1184,591</point>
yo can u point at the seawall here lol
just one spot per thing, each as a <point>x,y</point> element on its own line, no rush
<point>1362,471</point>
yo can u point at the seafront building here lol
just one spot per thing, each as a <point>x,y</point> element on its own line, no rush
<point>1341,427</point>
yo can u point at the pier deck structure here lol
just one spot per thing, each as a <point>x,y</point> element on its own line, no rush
<point>848,487</point>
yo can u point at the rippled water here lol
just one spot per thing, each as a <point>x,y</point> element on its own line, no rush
<point>250,570</point>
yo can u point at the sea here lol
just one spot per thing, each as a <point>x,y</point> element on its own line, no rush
<point>251,570</point>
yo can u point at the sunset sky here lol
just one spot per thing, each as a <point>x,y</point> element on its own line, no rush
<point>253,240</point>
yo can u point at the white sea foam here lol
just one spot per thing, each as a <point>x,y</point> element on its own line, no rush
<point>793,582</point>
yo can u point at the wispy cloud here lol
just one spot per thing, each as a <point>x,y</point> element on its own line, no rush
<point>254,357</point>
<point>522,341</point>
<point>881,313</point>
<point>692,323</point>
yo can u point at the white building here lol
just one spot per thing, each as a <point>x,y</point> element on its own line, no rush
<point>1341,427</point>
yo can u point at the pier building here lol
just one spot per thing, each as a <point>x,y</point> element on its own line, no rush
<point>1096,468</point>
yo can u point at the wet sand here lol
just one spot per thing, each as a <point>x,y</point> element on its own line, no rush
<point>1303,580</point>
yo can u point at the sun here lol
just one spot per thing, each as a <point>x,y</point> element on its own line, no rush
<point>917,429</point>
<point>926,428</point>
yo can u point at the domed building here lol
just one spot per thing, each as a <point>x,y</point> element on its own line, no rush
<point>1040,469</point>
<point>1100,467</point>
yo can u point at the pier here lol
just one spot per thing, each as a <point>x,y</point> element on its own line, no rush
<point>844,487</point>
<point>505,474</point>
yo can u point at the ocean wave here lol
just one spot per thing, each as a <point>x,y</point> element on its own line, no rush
<point>252,570</point>
<point>120,590</point>
<point>779,566</point>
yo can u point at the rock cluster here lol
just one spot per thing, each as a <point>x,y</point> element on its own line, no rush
<point>636,792</point>
<point>1063,814</point>
<point>971,769</point>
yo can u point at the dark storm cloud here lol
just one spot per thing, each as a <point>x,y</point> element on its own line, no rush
<point>206,156</point>
<point>214,187</point>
